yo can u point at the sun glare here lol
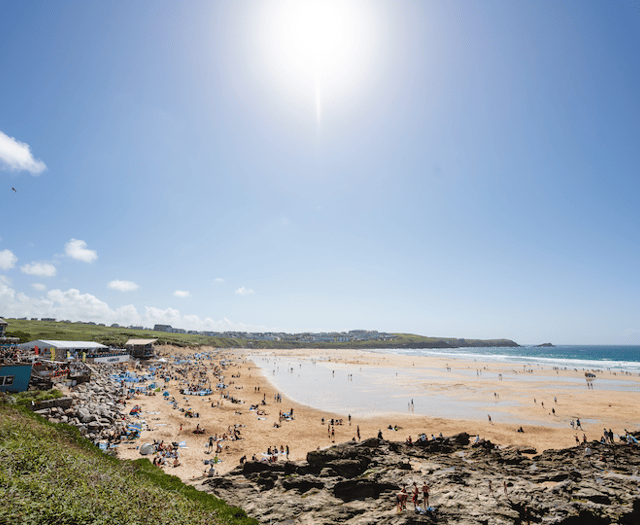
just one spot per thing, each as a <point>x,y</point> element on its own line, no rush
<point>318,48</point>
<point>316,31</point>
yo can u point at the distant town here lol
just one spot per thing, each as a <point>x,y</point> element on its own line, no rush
<point>304,337</point>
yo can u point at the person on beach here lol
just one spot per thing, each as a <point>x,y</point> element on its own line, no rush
<point>425,495</point>
<point>401,498</point>
<point>380,434</point>
<point>358,432</point>
<point>416,495</point>
<point>489,416</point>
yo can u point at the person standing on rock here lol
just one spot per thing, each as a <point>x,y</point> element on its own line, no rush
<point>401,498</point>
<point>380,434</point>
<point>425,495</point>
<point>416,496</point>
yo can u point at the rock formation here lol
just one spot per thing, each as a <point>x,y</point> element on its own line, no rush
<point>93,407</point>
<point>357,483</point>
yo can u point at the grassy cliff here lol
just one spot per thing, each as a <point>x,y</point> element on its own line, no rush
<point>50,474</point>
<point>29,330</point>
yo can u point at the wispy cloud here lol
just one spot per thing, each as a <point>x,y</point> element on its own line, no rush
<point>218,280</point>
<point>123,286</point>
<point>77,249</point>
<point>181,293</point>
<point>16,156</point>
<point>39,286</point>
<point>41,269</point>
<point>7,259</point>
<point>244,291</point>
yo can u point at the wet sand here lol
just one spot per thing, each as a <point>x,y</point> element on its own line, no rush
<point>449,396</point>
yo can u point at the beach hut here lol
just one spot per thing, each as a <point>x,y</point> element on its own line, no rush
<point>141,348</point>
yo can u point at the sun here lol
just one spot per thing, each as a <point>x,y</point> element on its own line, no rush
<point>317,48</point>
<point>317,31</point>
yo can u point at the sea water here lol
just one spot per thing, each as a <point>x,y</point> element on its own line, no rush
<point>603,357</point>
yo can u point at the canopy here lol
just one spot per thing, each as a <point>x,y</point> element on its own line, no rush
<point>147,448</point>
<point>63,345</point>
<point>136,342</point>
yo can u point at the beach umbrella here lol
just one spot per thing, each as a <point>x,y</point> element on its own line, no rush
<point>166,394</point>
<point>147,448</point>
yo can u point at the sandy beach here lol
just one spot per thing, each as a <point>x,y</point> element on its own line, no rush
<point>449,396</point>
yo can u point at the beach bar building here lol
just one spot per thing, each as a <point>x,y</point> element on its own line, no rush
<point>141,348</point>
<point>4,340</point>
<point>15,377</point>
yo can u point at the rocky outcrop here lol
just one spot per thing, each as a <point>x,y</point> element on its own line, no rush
<point>473,484</point>
<point>93,407</point>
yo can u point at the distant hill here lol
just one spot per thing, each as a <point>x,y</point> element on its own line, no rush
<point>27,330</point>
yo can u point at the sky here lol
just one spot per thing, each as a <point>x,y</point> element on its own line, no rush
<point>459,169</point>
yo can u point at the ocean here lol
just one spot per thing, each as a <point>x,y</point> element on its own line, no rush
<point>599,357</point>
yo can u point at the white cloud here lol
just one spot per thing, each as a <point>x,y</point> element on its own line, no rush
<point>219,280</point>
<point>181,293</point>
<point>123,286</point>
<point>41,269</point>
<point>76,306</point>
<point>16,156</point>
<point>7,259</point>
<point>244,291</point>
<point>77,249</point>
<point>39,286</point>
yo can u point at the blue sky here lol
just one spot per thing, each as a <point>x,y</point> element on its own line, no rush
<point>451,169</point>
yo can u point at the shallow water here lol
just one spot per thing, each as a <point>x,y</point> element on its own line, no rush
<point>368,390</point>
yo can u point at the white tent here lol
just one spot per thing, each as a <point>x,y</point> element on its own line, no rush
<point>45,344</point>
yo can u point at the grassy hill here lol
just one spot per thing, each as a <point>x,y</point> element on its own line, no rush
<point>50,474</point>
<point>29,330</point>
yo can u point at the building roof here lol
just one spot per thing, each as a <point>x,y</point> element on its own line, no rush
<point>63,345</point>
<point>135,342</point>
<point>3,322</point>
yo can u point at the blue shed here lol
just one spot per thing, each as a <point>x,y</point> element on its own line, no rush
<point>15,377</point>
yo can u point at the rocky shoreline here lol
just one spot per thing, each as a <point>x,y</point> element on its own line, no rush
<point>93,407</point>
<point>357,483</point>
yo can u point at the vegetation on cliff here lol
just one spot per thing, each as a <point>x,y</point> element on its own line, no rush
<point>27,330</point>
<point>50,474</point>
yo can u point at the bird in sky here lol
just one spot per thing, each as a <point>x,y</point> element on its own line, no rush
<point>14,189</point>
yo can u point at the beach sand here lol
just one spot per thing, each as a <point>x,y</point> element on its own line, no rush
<point>447,385</point>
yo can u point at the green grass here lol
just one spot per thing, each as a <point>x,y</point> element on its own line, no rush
<point>25,398</point>
<point>30,330</point>
<point>50,474</point>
